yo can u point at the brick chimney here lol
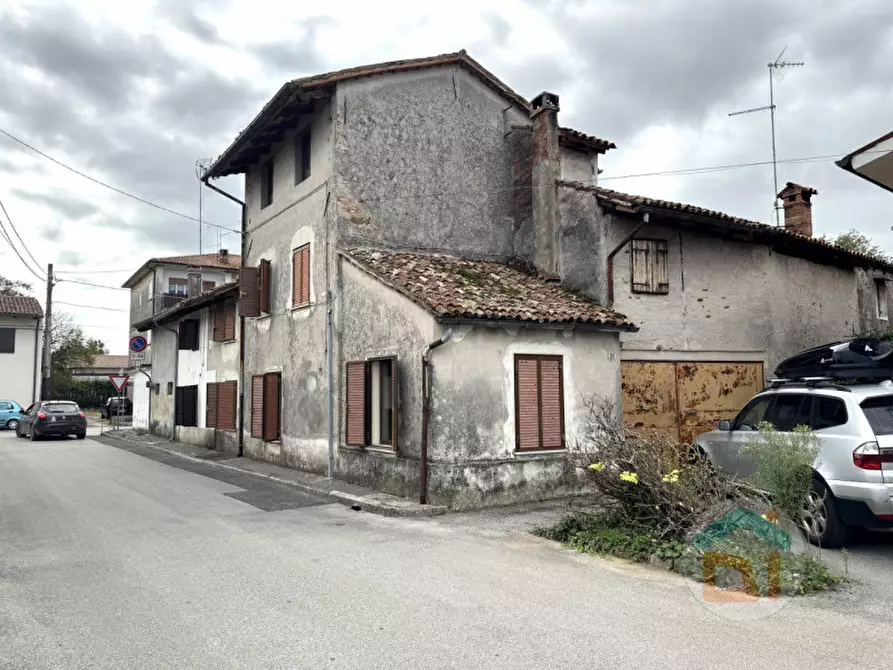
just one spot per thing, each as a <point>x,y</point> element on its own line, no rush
<point>194,283</point>
<point>797,208</point>
<point>545,172</point>
<point>223,256</point>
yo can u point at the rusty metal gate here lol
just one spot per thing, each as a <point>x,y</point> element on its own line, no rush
<point>684,399</point>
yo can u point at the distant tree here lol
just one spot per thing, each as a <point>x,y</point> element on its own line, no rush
<point>71,348</point>
<point>14,286</point>
<point>854,241</point>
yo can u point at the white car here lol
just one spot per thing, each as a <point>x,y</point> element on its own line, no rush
<point>853,484</point>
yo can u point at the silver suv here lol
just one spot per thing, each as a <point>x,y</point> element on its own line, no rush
<point>853,485</point>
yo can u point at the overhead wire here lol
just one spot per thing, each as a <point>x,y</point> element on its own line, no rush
<point>15,230</point>
<point>74,304</point>
<point>87,283</point>
<point>12,245</point>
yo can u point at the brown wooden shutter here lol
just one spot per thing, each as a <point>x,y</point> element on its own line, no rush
<point>249,291</point>
<point>257,406</point>
<point>640,266</point>
<point>551,403</point>
<point>297,273</point>
<point>355,404</point>
<point>394,396</point>
<point>305,275</point>
<point>660,280</point>
<point>265,286</point>
<point>211,414</point>
<point>226,405</point>
<point>649,266</point>
<point>527,402</point>
<point>208,286</point>
<point>271,406</point>
<point>229,322</point>
<point>219,323</point>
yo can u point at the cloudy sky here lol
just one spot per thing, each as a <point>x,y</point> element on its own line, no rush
<point>133,94</point>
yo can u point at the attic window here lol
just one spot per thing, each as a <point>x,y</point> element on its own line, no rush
<point>649,267</point>
<point>266,184</point>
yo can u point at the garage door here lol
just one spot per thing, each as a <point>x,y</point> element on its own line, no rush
<point>682,399</point>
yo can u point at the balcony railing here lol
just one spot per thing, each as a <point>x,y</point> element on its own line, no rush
<point>169,300</point>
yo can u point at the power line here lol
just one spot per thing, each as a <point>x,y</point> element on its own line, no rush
<point>113,188</point>
<point>24,246</point>
<point>92,272</point>
<point>74,304</point>
<point>8,239</point>
<point>87,283</point>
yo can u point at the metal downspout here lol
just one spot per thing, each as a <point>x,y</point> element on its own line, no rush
<point>426,397</point>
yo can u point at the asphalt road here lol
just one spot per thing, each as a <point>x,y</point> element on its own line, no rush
<point>109,559</point>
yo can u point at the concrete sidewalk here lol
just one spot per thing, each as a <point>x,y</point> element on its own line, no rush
<point>357,497</point>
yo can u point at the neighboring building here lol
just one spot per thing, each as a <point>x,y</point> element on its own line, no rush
<point>158,285</point>
<point>405,198</point>
<point>194,388</point>
<point>103,365</point>
<point>21,349</point>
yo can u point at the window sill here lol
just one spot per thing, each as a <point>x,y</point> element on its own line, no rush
<point>303,305</point>
<point>532,454</point>
<point>385,452</point>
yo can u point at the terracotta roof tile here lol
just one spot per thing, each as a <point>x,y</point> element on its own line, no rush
<point>113,361</point>
<point>13,305</point>
<point>213,261</point>
<point>575,139</point>
<point>458,288</point>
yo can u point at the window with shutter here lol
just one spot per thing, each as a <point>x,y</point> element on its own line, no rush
<point>265,287</point>
<point>188,335</point>
<point>649,266</point>
<point>301,276</point>
<point>539,402</point>
<point>211,397</point>
<point>219,323</point>
<point>257,406</point>
<point>355,404</point>
<point>226,405</point>
<point>186,402</point>
<point>271,406</point>
<point>249,291</point>
<point>229,323</point>
<point>208,286</point>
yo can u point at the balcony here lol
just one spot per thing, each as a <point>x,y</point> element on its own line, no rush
<point>168,300</point>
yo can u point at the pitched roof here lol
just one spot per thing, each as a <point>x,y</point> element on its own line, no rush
<point>574,139</point>
<point>278,112</point>
<point>111,361</point>
<point>211,261</point>
<point>16,305</point>
<point>189,305</point>
<point>810,248</point>
<point>456,288</point>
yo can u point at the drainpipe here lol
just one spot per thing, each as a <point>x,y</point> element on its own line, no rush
<point>423,455</point>
<point>243,254</point>
<point>34,369</point>
<point>616,250</point>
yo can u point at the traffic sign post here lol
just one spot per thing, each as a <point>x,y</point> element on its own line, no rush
<point>119,382</point>
<point>138,343</point>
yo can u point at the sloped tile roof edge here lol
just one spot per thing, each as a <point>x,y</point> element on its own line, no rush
<point>635,201</point>
<point>180,260</point>
<point>20,305</point>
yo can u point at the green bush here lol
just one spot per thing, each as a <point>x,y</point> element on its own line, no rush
<point>86,393</point>
<point>602,534</point>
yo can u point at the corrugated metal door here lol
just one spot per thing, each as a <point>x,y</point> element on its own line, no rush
<point>683,399</point>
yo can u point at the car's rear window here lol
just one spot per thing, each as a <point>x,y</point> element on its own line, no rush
<point>62,408</point>
<point>879,412</point>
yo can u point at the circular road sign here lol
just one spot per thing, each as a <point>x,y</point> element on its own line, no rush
<point>138,344</point>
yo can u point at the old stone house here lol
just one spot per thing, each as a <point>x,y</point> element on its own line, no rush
<point>423,211</point>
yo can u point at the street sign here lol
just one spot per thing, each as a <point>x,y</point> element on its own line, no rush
<point>119,381</point>
<point>137,357</point>
<point>138,343</point>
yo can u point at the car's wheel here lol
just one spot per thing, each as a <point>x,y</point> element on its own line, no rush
<point>12,424</point>
<point>19,431</point>
<point>82,436</point>
<point>33,436</point>
<point>820,520</point>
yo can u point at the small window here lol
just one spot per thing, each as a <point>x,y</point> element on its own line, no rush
<point>224,329</point>
<point>208,286</point>
<point>157,388</point>
<point>539,402</point>
<point>371,404</point>
<point>753,414</point>
<point>381,388</point>
<point>880,287</point>
<point>300,266</point>
<point>266,184</point>
<point>186,406</point>
<point>790,410</point>
<point>302,156</point>
<point>649,266</point>
<point>7,340</point>
<point>830,412</point>
<point>170,388</point>
<point>178,286</point>
<point>188,338</point>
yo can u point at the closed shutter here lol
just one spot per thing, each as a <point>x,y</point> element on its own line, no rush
<point>186,401</point>
<point>527,402</point>
<point>297,275</point>
<point>265,286</point>
<point>249,291</point>
<point>660,280</point>
<point>219,323</point>
<point>229,322</point>
<point>305,274</point>
<point>394,396</point>
<point>649,266</point>
<point>257,406</point>
<point>355,404</point>
<point>551,403</point>
<point>641,262</point>
<point>271,407</point>
<point>226,405</point>
<point>211,414</point>
<point>178,406</point>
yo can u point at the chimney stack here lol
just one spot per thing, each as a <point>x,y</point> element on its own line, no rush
<point>223,256</point>
<point>545,172</point>
<point>194,283</point>
<point>797,208</point>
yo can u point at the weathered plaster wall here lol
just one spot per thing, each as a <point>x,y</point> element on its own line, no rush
<point>142,395</point>
<point>161,420</point>
<point>17,370</point>
<point>473,455</point>
<point>292,340</point>
<point>422,161</point>
<point>584,244</point>
<point>578,166</point>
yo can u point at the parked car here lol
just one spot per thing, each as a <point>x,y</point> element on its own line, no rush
<point>52,417</point>
<point>853,477</point>
<point>109,408</point>
<point>10,411</point>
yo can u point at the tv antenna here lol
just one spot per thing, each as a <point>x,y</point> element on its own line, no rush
<point>777,68</point>
<point>201,167</point>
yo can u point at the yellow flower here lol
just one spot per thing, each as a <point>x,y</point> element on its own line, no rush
<point>630,477</point>
<point>598,467</point>
<point>672,478</point>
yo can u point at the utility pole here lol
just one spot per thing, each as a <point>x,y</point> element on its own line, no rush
<point>47,382</point>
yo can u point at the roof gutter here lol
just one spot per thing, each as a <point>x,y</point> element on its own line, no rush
<point>242,254</point>
<point>616,250</point>
<point>847,164</point>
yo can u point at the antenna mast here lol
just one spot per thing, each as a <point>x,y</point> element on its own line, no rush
<point>201,166</point>
<point>776,68</point>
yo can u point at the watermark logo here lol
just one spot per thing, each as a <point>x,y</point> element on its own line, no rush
<point>741,565</point>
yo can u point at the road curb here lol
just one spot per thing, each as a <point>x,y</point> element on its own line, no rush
<point>378,503</point>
